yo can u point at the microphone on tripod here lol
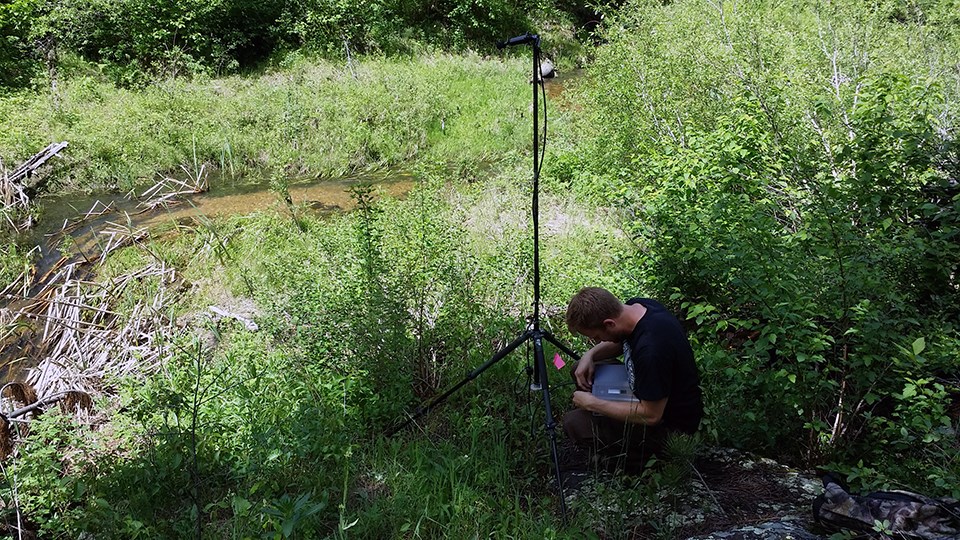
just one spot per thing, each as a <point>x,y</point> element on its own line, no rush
<point>533,332</point>
<point>519,40</point>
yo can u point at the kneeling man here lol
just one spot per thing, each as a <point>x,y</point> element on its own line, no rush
<point>660,371</point>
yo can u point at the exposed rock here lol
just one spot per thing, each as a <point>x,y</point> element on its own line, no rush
<point>777,530</point>
<point>727,494</point>
<point>245,318</point>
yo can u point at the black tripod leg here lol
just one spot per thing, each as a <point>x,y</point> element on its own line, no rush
<point>470,376</point>
<point>551,424</point>
<point>549,337</point>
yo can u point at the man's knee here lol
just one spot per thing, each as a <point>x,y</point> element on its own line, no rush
<point>578,425</point>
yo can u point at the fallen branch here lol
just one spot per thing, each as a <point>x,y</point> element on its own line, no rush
<point>43,402</point>
<point>27,168</point>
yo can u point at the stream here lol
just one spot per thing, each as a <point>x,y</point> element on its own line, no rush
<point>64,214</point>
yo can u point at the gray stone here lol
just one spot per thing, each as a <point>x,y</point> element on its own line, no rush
<point>777,530</point>
<point>728,495</point>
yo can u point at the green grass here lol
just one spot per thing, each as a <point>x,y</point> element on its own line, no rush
<point>308,117</point>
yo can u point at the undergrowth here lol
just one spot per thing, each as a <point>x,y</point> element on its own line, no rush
<point>280,433</point>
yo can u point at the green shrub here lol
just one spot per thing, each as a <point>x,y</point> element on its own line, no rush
<point>138,41</point>
<point>793,200</point>
<point>17,55</point>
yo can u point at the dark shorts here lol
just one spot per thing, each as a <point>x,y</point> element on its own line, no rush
<point>616,445</point>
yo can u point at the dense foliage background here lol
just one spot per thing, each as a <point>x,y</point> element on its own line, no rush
<point>790,172</point>
<point>136,40</point>
<point>783,174</point>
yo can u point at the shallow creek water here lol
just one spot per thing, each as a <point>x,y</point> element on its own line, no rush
<point>61,214</point>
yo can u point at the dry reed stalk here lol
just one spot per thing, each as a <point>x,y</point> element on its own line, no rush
<point>97,210</point>
<point>16,202</point>
<point>53,274</point>
<point>120,236</point>
<point>17,283</point>
<point>199,178</point>
<point>85,340</point>
<point>169,190</point>
<point>12,191</point>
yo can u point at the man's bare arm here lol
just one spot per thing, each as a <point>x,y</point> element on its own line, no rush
<point>637,412</point>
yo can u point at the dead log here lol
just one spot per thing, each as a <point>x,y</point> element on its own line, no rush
<point>28,167</point>
<point>39,404</point>
<point>69,401</point>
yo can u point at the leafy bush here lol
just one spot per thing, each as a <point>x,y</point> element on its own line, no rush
<point>793,198</point>
<point>17,64</point>
<point>138,41</point>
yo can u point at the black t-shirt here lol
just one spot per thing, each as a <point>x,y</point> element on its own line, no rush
<point>660,364</point>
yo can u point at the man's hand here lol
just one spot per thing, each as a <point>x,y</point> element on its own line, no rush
<point>584,373</point>
<point>584,400</point>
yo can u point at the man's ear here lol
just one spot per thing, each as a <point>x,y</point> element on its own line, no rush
<point>609,324</point>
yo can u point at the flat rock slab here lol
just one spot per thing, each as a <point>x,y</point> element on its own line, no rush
<point>728,494</point>
<point>778,530</point>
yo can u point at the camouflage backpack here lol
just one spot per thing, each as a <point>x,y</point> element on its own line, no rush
<point>886,514</point>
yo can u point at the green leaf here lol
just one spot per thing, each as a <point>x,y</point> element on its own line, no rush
<point>919,345</point>
<point>240,505</point>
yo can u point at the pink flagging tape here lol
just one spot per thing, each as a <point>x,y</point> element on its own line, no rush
<point>558,362</point>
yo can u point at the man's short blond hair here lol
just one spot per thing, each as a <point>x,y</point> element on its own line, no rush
<point>590,307</point>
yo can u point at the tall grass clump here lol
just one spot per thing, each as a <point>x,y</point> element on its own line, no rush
<point>792,173</point>
<point>311,117</point>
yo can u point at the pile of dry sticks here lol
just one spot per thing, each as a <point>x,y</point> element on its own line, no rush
<point>75,338</point>
<point>66,326</point>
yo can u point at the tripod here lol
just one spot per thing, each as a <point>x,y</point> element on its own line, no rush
<point>533,332</point>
